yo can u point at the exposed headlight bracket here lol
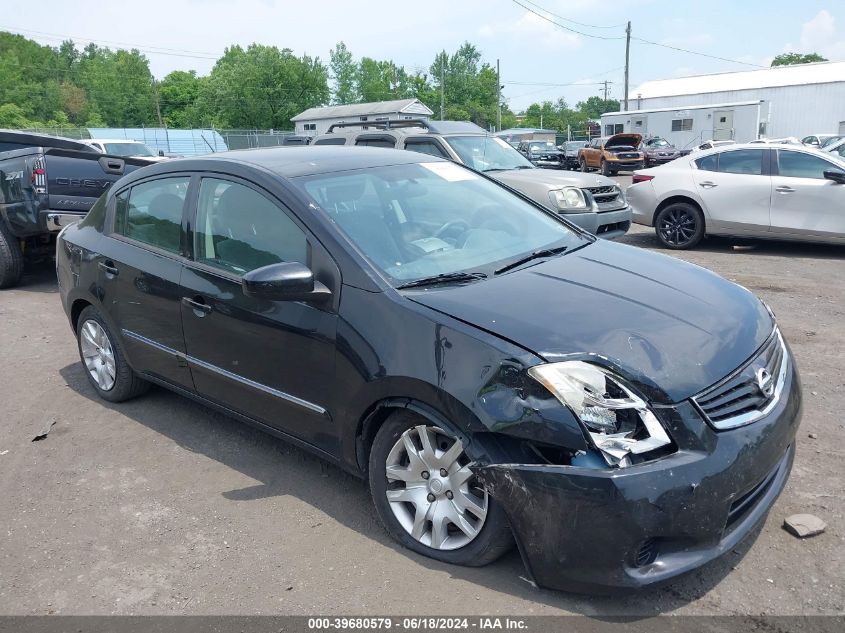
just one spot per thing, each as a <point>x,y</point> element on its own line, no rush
<point>619,422</point>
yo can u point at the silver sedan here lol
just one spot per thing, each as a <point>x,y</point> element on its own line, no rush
<point>771,191</point>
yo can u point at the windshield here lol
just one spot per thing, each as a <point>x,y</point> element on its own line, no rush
<point>657,142</point>
<point>128,149</point>
<point>548,146</point>
<point>831,141</point>
<point>487,153</point>
<point>424,219</point>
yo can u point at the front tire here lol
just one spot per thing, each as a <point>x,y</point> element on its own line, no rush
<point>679,226</point>
<point>103,359</point>
<point>427,497</point>
<point>605,168</point>
<point>583,165</point>
<point>11,258</point>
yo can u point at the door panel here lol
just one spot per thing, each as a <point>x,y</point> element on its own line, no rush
<point>736,197</point>
<point>271,360</point>
<point>140,278</point>
<point>804,202</point>
<point>723,125</point>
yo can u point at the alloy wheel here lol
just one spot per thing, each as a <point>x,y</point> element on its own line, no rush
<point>677,226</point>
<point>431,490</point>
<point>98,354</point>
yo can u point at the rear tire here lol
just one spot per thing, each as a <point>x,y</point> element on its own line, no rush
<point>98,346</point>
<point>679,226</point>
<point>402,517</point>
<point>11,258</point>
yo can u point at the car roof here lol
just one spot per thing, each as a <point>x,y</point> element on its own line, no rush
<point>293,160</point>
<point>111,140</point>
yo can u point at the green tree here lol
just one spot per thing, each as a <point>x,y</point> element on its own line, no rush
<point>788,59</point>
<point>13,116</point>
<point>119,85</point>
<point>344,73</point>
<point>595,106</point>
<point>263,87</point>
<point>178,95</point>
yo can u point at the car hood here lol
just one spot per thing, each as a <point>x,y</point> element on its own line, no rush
<point>552,179</point>
<point>628,140</point>
<point>669,327</point>
<point>653,150</point>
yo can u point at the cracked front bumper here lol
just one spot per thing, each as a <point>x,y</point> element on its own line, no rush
<point>599,530</point>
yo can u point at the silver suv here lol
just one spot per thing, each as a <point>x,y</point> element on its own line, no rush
<point>594,203</point>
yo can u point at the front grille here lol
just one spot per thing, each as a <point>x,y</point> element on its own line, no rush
<point>740,398</point>
<point>627,156</point>
<point>604,195</point>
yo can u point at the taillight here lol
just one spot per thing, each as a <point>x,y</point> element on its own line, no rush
<point>641,178</point>
<point>39,175</point>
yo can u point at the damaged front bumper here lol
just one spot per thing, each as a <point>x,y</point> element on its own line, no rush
<point>599,529</point>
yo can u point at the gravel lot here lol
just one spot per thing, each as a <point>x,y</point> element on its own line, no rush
<point>160,506</point>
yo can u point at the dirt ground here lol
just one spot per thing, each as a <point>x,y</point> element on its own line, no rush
<point>160,506</point>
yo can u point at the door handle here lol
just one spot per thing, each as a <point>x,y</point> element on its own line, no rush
<point>198,305</point>
<point>708,184</point>
<point>784,189</point>
<point>109,268</point>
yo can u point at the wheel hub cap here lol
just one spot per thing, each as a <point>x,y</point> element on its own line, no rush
<point>444,512</point>
<point>97,354</point>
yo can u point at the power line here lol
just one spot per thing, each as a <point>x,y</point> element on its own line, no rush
<point>622,37</point>
<point>563,26</point>
<point>158,50</point>
<point>589,26</point>
<point>684,50</point>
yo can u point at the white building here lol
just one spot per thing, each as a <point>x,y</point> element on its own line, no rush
<point>792,101</point>
<point>316,121</point>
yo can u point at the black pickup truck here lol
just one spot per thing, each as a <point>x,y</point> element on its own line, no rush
<point>46,183</point>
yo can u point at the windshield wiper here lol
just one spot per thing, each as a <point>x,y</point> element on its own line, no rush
<point>442,278</point>
<point>545,252</point>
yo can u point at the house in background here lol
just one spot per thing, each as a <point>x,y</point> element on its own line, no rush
<point>316,121</point>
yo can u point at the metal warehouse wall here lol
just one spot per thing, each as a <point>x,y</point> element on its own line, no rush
<point>793,110</point>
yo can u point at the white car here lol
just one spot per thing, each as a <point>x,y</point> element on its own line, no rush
<point>837,148</point>
<point>786,140</point>
<point>710,145</point>
<point>821,140</point>
<point>771,191</point>
<point>124,147</point>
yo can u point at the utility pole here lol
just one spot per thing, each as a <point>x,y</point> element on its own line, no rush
<point>605,93</point>
<point>498,98</point>
<point>442,88</point>
<point>393,80</point>
<point>627,60</point>
<point>158,112</point>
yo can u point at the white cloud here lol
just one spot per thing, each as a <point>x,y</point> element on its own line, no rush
<point>820,35</point>
<point>543,32</point>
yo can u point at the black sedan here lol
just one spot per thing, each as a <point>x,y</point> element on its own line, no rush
<point>494,372</point>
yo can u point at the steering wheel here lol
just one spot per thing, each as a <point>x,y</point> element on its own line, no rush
<point>451,225</point>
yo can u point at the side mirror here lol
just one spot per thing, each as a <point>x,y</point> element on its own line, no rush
<point>836,175</point>
<point>286,281</point>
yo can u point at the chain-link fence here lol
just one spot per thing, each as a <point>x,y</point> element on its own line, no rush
<point>177,142</point>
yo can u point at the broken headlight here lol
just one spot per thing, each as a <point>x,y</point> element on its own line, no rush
<point>619,422</point>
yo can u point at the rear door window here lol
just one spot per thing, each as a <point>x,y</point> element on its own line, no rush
<point>425,146</point>
<point>331,141</point>
<point>743,161</point>
<point>708,163</point>
<point>151,212</point>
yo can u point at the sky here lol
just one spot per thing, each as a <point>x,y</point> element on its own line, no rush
<point>539,60</point>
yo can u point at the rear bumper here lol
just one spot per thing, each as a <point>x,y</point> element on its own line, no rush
<point>604,530</point>
<point>57,220</point>
<point>643,201</point>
